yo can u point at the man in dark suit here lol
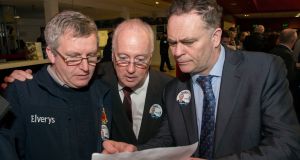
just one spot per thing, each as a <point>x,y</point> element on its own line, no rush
<point>132,48</point>
<point>164,53</point>
<point>287,40</point>
<point>122,129</point>
<point>107,48</point>
<point>246,94</point>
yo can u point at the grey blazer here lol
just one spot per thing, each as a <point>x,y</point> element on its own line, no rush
<point>255,118</point>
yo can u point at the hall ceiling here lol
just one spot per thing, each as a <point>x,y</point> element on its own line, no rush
<point>261,8</point>
<point>97,9</point>
<point>108,9</point>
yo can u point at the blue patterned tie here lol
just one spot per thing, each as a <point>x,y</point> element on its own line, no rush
<point>208,117</point>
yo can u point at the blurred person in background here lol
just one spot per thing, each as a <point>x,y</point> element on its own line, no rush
<point>287,39</point>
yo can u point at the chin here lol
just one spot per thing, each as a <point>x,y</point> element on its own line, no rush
<point>81,84</point>
<point>185,69</point>
<point>130,84</point>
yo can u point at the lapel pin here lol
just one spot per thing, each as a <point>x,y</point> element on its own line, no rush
<point>184,97</point>
<point>155,111</point>
<point>104,128</point>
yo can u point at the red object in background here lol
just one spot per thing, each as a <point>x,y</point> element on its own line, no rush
<point>178,71</point>
<point>20,55</point>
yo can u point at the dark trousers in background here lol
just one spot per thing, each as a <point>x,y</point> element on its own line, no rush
<point>165,59</point>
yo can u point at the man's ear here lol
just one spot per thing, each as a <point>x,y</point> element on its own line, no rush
<point>112,55</point>
<point>50,55</point>
<point>216,37</point>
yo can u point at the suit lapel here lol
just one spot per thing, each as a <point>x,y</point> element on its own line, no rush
<point>189,113</point>
<point>230,86</point>
<point>121,124</point>
<point>151,98</point>
<point>145,125</point>
<point>120,118</point>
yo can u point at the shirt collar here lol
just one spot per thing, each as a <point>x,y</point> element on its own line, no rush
<point>137,90</point>
<point>217,69</point>
<point>286,47</point>
<point>53,74</point>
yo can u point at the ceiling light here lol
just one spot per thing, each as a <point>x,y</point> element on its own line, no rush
<point>246,15</point>
<point>156,2</point>
<point>298,15</point>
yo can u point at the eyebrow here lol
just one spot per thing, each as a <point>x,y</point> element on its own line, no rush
<point>124,54</point>
<point>79,54</point>
<point>185,40</point>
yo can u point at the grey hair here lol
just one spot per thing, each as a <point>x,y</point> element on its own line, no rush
<point>134,24</point>
<point>69,21</point>
<point>209,10</point>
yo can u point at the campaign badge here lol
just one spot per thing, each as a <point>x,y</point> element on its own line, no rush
<point>104,128</point>
<point>155,111</point>
<point>104,132</point>
<point>103,117</point>
<point>184,97</point>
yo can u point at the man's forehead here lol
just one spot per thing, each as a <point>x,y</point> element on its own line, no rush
<point>132,54</point>
<point>135,48</point>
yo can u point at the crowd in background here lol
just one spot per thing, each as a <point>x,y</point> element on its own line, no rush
<point>285,44</point>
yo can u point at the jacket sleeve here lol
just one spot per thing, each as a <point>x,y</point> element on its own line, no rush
<point>279,125</point>
<point>7,149</point>
<point>163,138</point>
<point>15,123</point>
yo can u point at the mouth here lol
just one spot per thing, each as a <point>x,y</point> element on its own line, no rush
<point>182,62</point>
<point>130,79</point>
<point>83,77</point>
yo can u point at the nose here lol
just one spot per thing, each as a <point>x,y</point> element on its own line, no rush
<point>131,67</point>
<point>84,65</point>
<point>177,50</point>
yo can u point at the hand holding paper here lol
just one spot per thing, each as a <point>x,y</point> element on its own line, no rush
<point>174,153</point>
<point>111,147</point>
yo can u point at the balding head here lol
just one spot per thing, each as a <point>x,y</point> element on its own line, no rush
<point>288,37</point>
<point>134,27</point>
<point>259,29</point>
<point>132,48</point>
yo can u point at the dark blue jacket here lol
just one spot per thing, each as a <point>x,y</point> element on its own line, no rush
<point>57,123</point>
<point>7,150</point>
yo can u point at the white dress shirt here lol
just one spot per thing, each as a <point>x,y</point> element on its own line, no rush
<point>138,98</point>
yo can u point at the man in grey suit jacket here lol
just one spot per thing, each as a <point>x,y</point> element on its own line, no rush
<point>254,117</point>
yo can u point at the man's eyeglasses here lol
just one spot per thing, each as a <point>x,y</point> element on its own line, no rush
<point>73,61</point>
<point>139,62</point>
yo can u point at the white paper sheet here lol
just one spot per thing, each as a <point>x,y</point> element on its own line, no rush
<point>173,153</point>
